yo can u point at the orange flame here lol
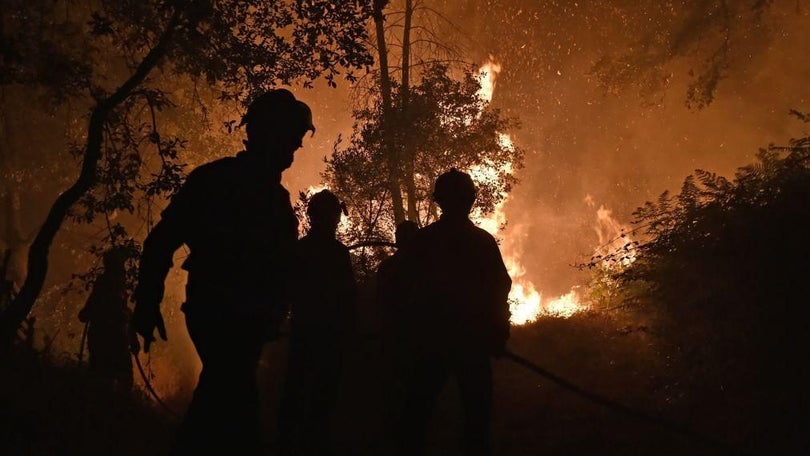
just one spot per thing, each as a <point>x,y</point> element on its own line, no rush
<point>526,304</point>
<point>616,248</point>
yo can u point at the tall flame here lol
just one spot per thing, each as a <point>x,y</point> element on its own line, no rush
<point>526,304</point>
<point>486,78</point>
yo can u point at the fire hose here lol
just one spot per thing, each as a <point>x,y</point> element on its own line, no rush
<point>525,363</point>
<point>623,409</point>
<point>593,397</point>
<point>83,342</point>
<point>151,389</point>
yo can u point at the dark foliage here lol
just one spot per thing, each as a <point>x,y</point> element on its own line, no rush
<point>726,263</point>
<point>54,406</point>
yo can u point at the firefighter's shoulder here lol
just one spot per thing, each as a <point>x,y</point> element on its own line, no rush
<point>483,235</point>
<point>213,171</point>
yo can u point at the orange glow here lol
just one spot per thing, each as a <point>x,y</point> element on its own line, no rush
<point>565,305</point>
<point>525,302</point>
<point>486,76</point>
<point>616,247</point>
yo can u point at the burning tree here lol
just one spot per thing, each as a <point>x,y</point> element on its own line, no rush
<point>447,124</point>
<point>416,120</point>
<point>435,116</point>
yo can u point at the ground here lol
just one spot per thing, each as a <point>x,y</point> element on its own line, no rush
<point>50,407</point>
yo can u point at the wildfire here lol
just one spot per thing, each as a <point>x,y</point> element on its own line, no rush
<point>525,301</point>
<point>526,304</point>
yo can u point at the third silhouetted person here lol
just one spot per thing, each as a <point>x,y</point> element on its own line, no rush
<point>107,315</point>
<point>456,288</point>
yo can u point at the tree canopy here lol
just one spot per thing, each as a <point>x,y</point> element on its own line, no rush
<point>447,125</point>
<point>723,270</point>
<point>110,55</point>
<point>420,112</point>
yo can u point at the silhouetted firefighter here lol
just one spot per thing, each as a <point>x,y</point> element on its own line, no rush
<point>395,350</point>
<point>456,315</point>
<point>322,321</point>
<point>107,314</point>
<point>237,220</point>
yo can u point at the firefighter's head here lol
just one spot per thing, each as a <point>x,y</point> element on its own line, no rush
<point>454,192</point>
<point>276,123</point>
<point>324,210</point>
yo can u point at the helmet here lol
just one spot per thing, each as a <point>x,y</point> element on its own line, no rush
<point>324,206</point>
<point>454,188</point>
<point>277,107</point>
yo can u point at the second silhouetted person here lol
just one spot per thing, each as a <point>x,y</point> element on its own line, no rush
<point>322,321</point>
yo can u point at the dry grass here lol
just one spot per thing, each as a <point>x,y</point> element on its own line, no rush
<point>51,407</point>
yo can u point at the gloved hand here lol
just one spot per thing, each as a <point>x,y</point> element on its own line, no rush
<point>146,316</point>
<point>144,320</point>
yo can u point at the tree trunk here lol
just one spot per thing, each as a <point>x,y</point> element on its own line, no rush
<point>19,309</point>
<point>15,241</point>
<point>389,139</point>
<point>12,235</point>
<point>408,155</point>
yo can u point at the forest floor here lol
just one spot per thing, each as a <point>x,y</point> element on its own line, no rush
<point>52,408</point>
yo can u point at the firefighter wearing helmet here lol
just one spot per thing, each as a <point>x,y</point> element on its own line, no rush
<point>321,328</point>
<point>456,287</point>
<point>237,221</point>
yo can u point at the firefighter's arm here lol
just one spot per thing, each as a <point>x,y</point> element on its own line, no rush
<point>350,295</point>
<point>156,260</point>
<point>500,284</point>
